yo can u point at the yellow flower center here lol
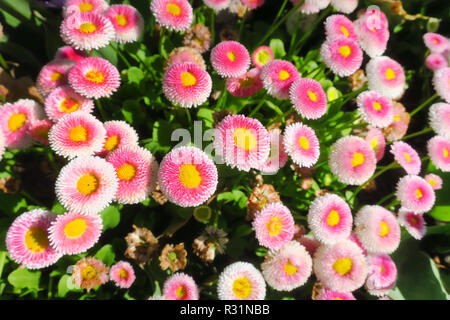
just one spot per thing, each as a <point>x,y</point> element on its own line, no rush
<point>344,31</point>
<point>95,76</point>
<point>345,51</point>
<point>242,288</point>
<point>87,184</point>
<point>358,159</point>
<point>121,20</point>
<point>88,273</point>
<point>126,172</point>
<point>397,117</point>
<point>432,182</point>
<point>284,75</point>
<point>263,57</point>
<point>413,220</point>
<point>189,176</point>
<point>390,74</point>
<point>384,229</point>
<point>343,266</point>
<point>312,96</point>
<point>382,269</point>
<point>188,79</point>
<point>36,239</point>
<point>407,157</point>
<point>231,56</point>
<point>181,292</point>
<point>78,134</point>
<point>377,106</point>
<point>337,298</point>
<point>445,152</point>
<point>333,218</point>
<point>244,139</point>
<point>87,28</point>
<point>69,105</point>
<point>246,82</point>
<point>374,143</point>
<point>112,142</point>
<point>289,268</point>
<point>75,228</point>
<point>174,9</point>
<point>274,226</point>
<point>304,143</point>
<point>56,76</point>
<point>16,121</point>
<point>123,274</point>
<point>86,7</point>
<point>419,194</point>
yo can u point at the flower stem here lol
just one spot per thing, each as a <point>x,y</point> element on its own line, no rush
<point>213,34</point>
<point>384,199</point>
<point>120,54</point>
<point>241,27</point>
<point>102,111</point>
<point>423,105</point>
<point>412,135</point>
<point>260,104</point>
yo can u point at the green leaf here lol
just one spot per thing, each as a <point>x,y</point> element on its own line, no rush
<point>135,75</point>
<point>63,288</point>
<point>278,48</point>
<point>261,252</point>
<point>23,278</point>
<point>441,213</point>
<point>106,254</point>
<point>111,217</point>
<point>242,231</point>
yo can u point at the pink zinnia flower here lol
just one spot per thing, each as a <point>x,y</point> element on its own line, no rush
<point>74,233</point>
<point>441,82</point>
<point>122,274</point>
<point>173,14</point>
<point>439,116</point>
<point>376,140</point>
<point>373,32</point>
<point>64,100</point>
<point>386,76</point>
<point>415,194</point>
<point>407,157</point>
<point>327,294</point>
<point>382,274</point>
<point>67,52</point>
<point>338,25</point>
<point>375,109</point>
<point>308,98</point>
<point>94,78</point>
<point>345,6</point>
<point>435,42</point>
<point>53,75</point>
<point>414,223</point>
<point>187,85</point>
<point>301,144</point>
<point>278,76</point>
<point>38,130</point>
<point>246,85</point>
<point>439,152</point>
<point>262,56</point>
<point>230,59</point>
<point>436,61</point>
<point>127,22</point>
<point>434,180</point>
<point>118,134</point>
<point>241,281</point>
<point>27,240</point>
<point>187,176</point>
<point>79,6</point>
<point>352,160</point>
<point>180,286</point>
<point>253,4</point>
<point>278,157</point>
<point>342,55</point>
<point>86,185</point>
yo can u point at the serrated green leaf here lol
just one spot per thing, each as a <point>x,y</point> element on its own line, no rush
<point>135,75</point>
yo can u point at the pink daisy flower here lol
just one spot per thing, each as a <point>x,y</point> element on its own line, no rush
<point>180,286</point>
<point>15,120</point>
<point>382,274</point>
<point>183,55</point>
<point>330,219</point>
<point>241,281</point>
<point>187,176</point>
<point>342,55</point>
<point>278,76</point>
<point>27,240</point>
<point>307,7</point>
<point>94,78</point>
<point>407,157</point>
<point>301,144</point>
<point>354,238</point>
<point>441,82</point>
<point>67,52</point>
<point>377,229</point>
<point>242,142</point>
<point>86,185</point>
<point>308,98</point>
<point>122,274</point>
<point>287,268</point>
<point>338,25</point>
<point>274,226</point>
<point>253,4</point>
<point>345,6</point>
<point>118,134</point>
<point>278,157</point>
<point>2,145</point>
<point>376,140</point>
<point>375,109</point>
<point>87,31</point>
<point>373,32</point>
<point>310,243</point>
<point>173,14</point>
<point>38,131</point>
<point>127,22</point>
<point>439,151</point>
<point>386,76</point>
<point>435,42</point>
<point>89,273</point>
<point>187,85</point>
<point>64,100</point>
<point>246,85</point>
<point>414,223</point>
<point>352,160</point>
<point>137,171</point>
<point>77,134</point>
<point>74,233</point>
<point>399,126</point>
<point>436,61</point>
<point>340,266</point>
<point>327,294</point>
<point>230,59</point>
<point>415,194</point>
<point>262,56</point>
<point>434,180</point>
<point>217,5</point>
<point>79,6</point>
<point>53,75</point>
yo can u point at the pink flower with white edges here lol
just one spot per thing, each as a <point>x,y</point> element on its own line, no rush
<point>122,274</point>
<point>436,61</point>
<point>354,238</point>
<point>38,130</point>
<point>94,78</point>
<point>2,145</point>
<point>278,157</point>
<point>310,243</point>
<point>183,55</point>
<point>278,76</point>
<point>338,25</point>
<point>386,76</point>
<point>415,194</point>
<point>330,219</point>
<point>382,274</point>
<point>307,7</point>
<point>441,82</point>
<point>53,75</point>
<point>63,100</point>
<point>439,152</point>
<point>15,121</point>
<point>375,109</point>
<point>241,281</point>
<point>342,55</point>
<point>187,176</point>
<point>262,56</point>
<point>86,185</point>
<point>435,42</point>
<point>79,6</point>
<point>287,268</point>
<point>180,286</point>
<point>127,22</point>
<point>345,6</point>
<point>414,223</point>
<point>407,157</point>
<point>308,98</point>
<point>173,14</point>
<point>137,171</point>
<point>230,59</point>
<point>399,126</point>
<point>340,266</point>
<point>246,85</point>
<point>67,52</point>
<point>118,134</point>
<point>352,160</point>
<point>377,229</point>
<point>301,144</point>
<point>253,4</point>
<point>274,226</point>
<point>327,294</point>
<point>242,142</point>
<point>376,140</point>
<point>27,240</point>
<point>373,32</point>
<point>434,180</point>
<point>217,5</point>
<point>74,233</point>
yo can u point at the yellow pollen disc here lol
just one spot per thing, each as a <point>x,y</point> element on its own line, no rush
<point>312,96</point>
<point>413,220</point>
<point>337,298</point>
<point>263,57</point>
<point>432,182</point>
<point>345,51</point>
<point>377,106</point>
<point>123,274</point>
<point>304,143</point>
<point>289,268</point>
<point>87,184</point>
<point>87,27</point>
<point>181,292</point>
<point>121,20</point>
<point>244,139</point>
<point>419,194</point>
<point>78,134</point>
<point>88,273</point>
<point>86,7</point>
<point>246,82</point>
<point>436,41</point>
<point>344,31</point>
<point>374,143</point>
<point>384,229</point>
<point>382,269</point>
<point>445,152</point>
<point>126,172</point>
<point>407,157</point>
<point>242,288</point>
<point>56,76</point>
<point>69,105</point>
<point>397,117</point>
<point>174,9</point>
<point>36,239</point>
<point>390,74</point>
<point>188,79</point>
<point>358,159</point>
<point>95,76</point>
<point>274,226</point>
<point>189,176</point>
<point>75,229</point>
<point>343,266</point>
<point>112,142</point>
<point>284,75</point>
<point>333,218</point>
<point>231,56</point>
<point>16,121</point>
